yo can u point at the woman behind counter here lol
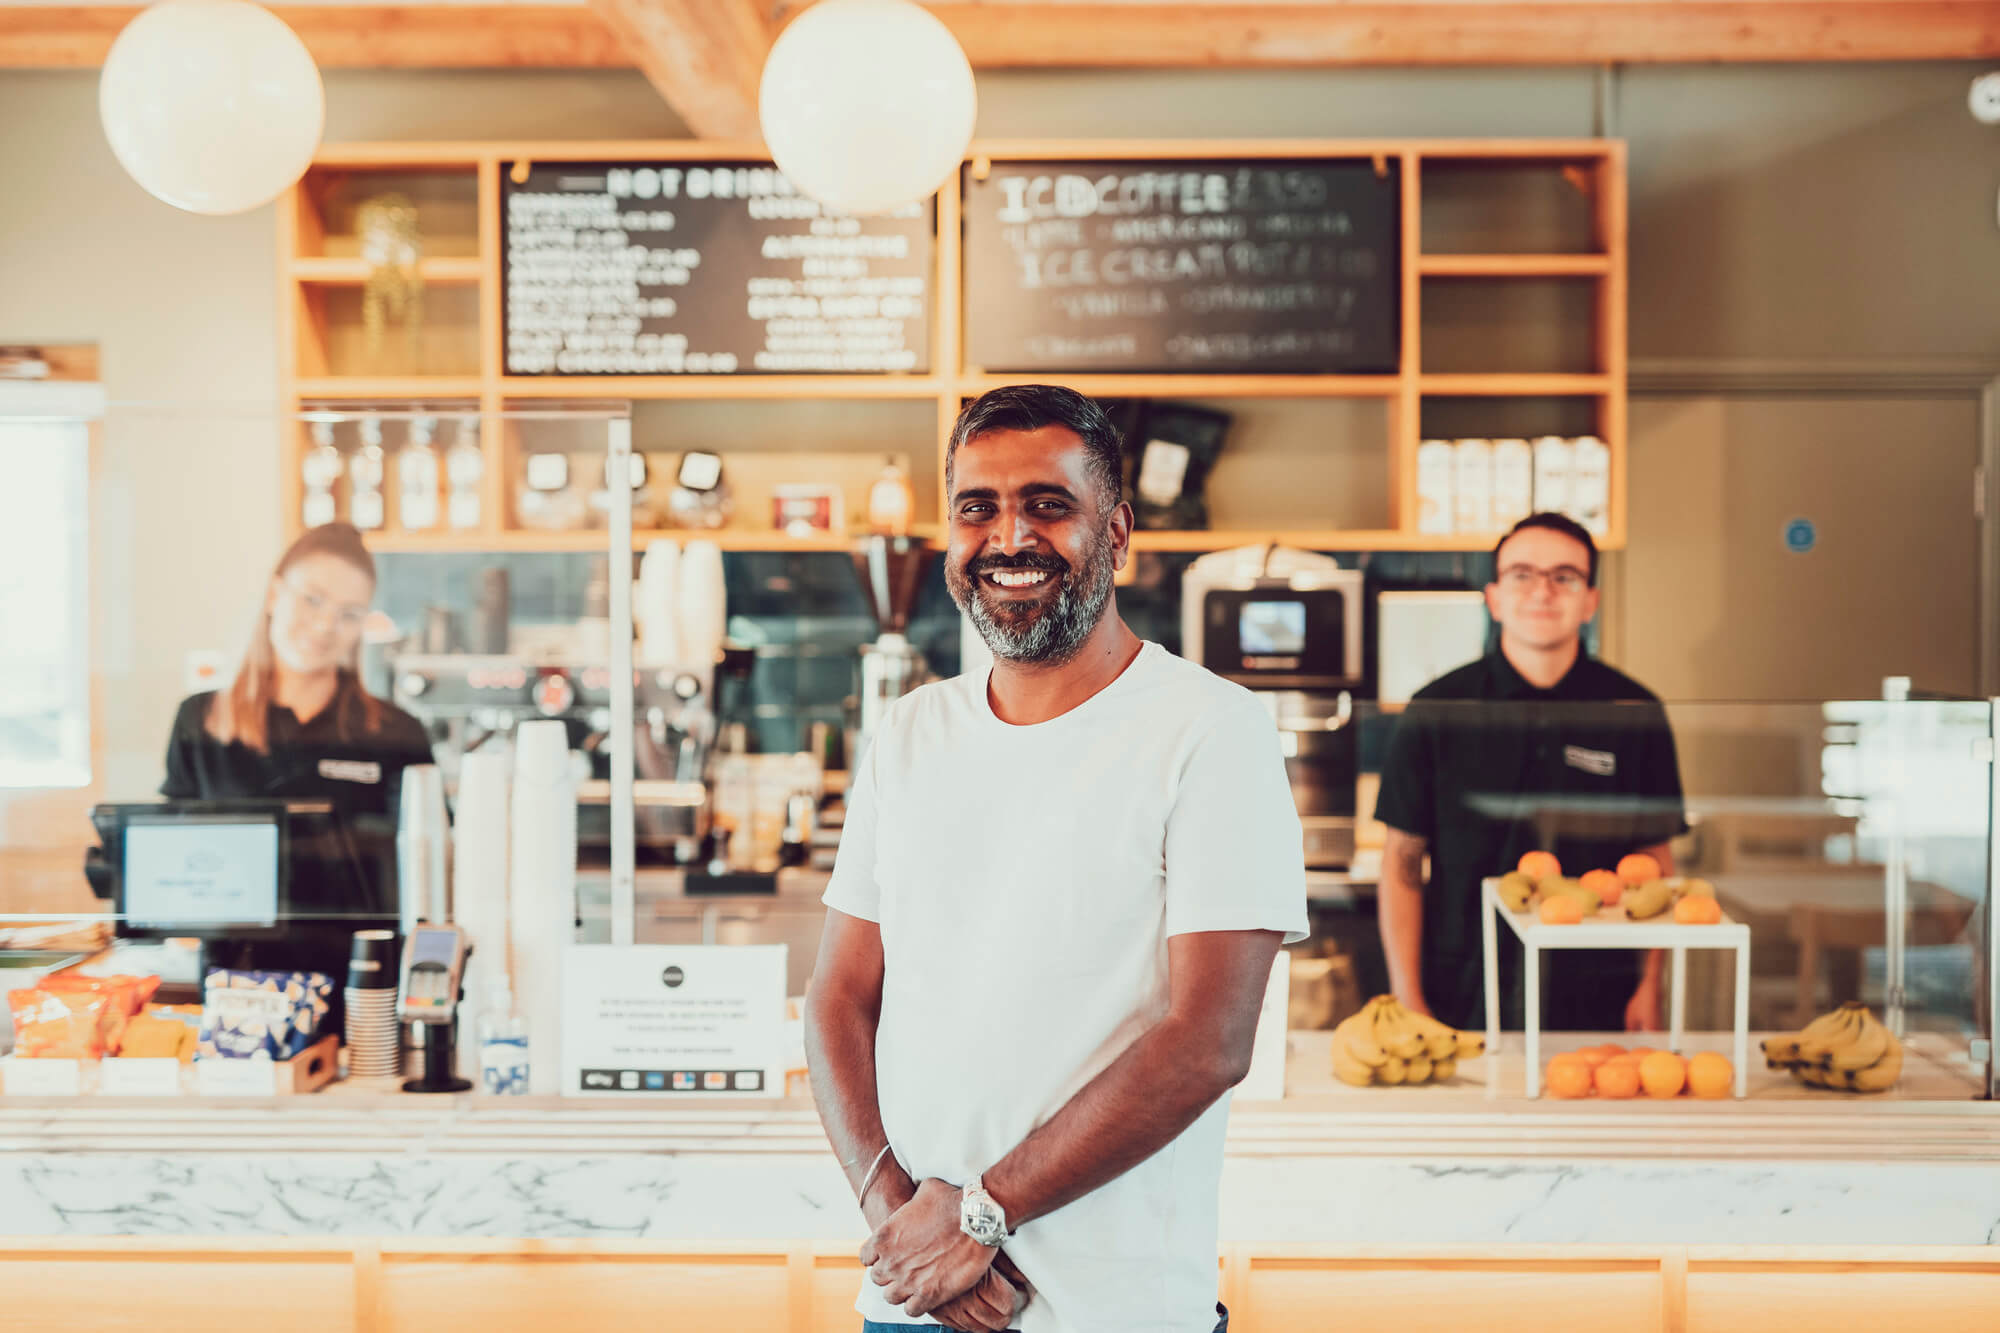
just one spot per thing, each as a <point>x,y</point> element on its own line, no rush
<point>296,722</point>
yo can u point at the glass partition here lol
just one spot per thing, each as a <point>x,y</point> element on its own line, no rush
<point>1852,838</point>
<point>482,759</point>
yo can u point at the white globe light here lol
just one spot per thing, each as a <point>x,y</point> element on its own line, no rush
<point>867,105</point>
<point>214,106</point>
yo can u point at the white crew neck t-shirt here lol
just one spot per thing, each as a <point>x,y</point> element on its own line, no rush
<point>1026,880</point>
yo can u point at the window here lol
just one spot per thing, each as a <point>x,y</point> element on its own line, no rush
<point>44,584</point>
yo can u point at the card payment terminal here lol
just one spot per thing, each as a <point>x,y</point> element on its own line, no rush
<point>433,967</point>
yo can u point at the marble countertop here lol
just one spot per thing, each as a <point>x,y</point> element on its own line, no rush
<point>1481,1114</point>
<point>1463,1163</point>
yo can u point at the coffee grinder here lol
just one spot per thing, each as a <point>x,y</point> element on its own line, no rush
<point>892,572</point>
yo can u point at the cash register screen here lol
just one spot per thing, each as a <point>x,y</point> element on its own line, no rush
<point>195,871</point>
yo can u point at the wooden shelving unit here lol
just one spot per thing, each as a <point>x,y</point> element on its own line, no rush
<point>457,189</point>
<point>1514,266</point>
<point>344,271</point>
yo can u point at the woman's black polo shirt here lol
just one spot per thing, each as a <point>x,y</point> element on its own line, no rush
<point>330,757</point>
<point>1484,766</point>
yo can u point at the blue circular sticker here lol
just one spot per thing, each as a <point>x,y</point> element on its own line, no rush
<point>1800,536</point>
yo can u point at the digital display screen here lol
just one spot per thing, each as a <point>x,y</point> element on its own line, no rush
<point>1272,629</point>
<point>433,946</point>
<point>190,872</point>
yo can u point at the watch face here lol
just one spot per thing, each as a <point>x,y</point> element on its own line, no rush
<point>984,1221</point>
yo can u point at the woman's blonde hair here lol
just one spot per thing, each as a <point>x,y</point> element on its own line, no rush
<point>241,712</point>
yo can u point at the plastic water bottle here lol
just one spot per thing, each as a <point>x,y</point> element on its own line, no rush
<point>503,1046</point>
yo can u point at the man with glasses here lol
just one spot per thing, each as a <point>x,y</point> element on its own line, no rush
<point>1534,746</point>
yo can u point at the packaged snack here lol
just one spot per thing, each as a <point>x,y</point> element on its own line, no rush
<point>261,1015</point>
<point>164,1032</point>
<point>124,996</point>
<point>68,1016</point>
<point>57,1025</point>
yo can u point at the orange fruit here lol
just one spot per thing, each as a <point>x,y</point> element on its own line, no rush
<point>1568,1077</point>
<point>1539,866</point>
<point>1638,868</point>
<point>1612,1048</point>
<point>1607,886</point>
<point>1695,910</point>
<point>1561,910</point>
<point>1663,1073</point>
<point>1710,1074</point>
<point>1617,1078</point>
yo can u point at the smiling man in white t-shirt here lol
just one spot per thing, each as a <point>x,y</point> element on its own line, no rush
<point>1059,893</point>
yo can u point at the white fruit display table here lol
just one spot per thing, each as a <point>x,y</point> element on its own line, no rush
<point>1610,929</point>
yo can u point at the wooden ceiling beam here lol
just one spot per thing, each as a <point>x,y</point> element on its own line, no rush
<point>699,52</point>
<point>1467,32</point>
<point>704,56</point>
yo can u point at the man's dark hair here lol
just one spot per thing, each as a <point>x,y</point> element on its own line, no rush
<point>1033,406</point>
<point>1562,523</point>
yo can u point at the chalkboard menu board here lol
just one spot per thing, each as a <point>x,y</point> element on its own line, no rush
<point>1262,266</point>
<point>627,268</point>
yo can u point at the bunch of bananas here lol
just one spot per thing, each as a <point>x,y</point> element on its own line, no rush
<point>1558,885</point>
<point>1848,1050</point>
<point>1516,890</point>
<point>1384,1043</point>
<point>1650,899</point>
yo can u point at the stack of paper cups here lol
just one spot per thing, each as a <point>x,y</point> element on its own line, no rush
<point>374,1034</point>
<point>422,832</point>
<point>703,614</point>
<point>479,888</point>
<point>542,888</point>
<point>659,590</point>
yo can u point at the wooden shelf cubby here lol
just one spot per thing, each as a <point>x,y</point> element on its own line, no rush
<point>1504,216</point>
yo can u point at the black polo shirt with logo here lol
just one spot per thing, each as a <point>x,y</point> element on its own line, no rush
<point>1483,767</point>
<point>331,756</point>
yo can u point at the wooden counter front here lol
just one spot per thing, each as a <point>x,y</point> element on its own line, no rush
<point>533,1286</point>
<point>1404,1209</point>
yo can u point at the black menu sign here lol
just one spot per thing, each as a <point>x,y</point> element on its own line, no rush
<point>628,268</point>
<point>1183,266</point>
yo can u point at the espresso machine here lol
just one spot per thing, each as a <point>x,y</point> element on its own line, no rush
<point>1287,624</point>
<point>892,572</point>
<point>470,700</point>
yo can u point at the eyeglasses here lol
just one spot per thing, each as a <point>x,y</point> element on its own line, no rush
<point>1563,578</point>
<point>349,618</point>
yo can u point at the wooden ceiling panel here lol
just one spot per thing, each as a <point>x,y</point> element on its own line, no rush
<point>705,55</point>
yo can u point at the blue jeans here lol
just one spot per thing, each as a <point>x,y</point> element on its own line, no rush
<point>870,1326</point>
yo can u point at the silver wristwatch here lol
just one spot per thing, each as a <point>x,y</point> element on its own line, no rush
<point>979,1216</point>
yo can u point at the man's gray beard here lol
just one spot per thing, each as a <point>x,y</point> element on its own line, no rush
<point>1057,634</point>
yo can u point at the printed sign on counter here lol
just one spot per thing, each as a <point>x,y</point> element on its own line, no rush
<point>711,268</point>
<point>236,1078</point>
<point>140,1076</point>
<point>40,1078</point>
<point>648,1020</point>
